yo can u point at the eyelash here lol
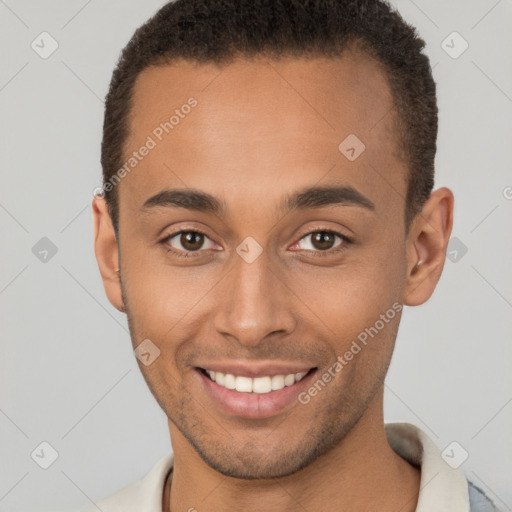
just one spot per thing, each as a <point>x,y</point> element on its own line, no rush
<point>322,254</point>
<point>345,241</point>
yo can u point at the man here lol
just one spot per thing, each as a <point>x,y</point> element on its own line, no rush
<point>267,211</point>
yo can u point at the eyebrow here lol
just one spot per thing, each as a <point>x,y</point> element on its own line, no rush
<point>310,197</point>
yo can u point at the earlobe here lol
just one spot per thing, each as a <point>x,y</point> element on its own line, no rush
<point>427,242</point>
<point>107,252</point>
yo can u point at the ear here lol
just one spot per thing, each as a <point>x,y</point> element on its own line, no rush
<point>426,246</point>
<point>106,250</point>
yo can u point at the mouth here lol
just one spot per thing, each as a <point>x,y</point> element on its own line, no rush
<point>259,385</point>
<point>258,396</point>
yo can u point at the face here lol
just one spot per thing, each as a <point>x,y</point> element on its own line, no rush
<point>254,251</point>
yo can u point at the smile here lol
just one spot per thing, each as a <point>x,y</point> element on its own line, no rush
<point>259,385</point>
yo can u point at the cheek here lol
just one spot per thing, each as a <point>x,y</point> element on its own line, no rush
<point>160,296</point>
<point>351,295</point>
<point>171,307</point>
<point>357,305</point>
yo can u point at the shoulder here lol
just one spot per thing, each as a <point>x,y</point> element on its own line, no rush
<point>121,501</point>
<point>143,495</point>
<point>478,500</point>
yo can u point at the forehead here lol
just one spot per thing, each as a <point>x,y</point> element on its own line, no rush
<point>261,122</point>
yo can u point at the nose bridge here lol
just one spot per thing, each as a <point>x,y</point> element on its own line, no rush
<point>253,301</point>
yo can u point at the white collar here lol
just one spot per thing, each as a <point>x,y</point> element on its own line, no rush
<point>441,487</point>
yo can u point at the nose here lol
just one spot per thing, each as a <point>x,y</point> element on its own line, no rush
<point>254,303</point>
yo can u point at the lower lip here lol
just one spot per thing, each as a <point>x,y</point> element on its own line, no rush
<point>253,405</point>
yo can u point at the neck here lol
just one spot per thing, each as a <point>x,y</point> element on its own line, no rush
<point>361,473</point>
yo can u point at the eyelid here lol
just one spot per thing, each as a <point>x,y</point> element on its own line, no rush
<point>325,229</point>
<point>167,237</point>
<point>345,240</point>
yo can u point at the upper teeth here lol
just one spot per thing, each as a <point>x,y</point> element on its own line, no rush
<point>257,385</point>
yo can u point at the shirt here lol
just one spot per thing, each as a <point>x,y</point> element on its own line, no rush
<point>442,488</point>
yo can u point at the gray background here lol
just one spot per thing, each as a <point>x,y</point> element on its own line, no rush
<point>67,372</point>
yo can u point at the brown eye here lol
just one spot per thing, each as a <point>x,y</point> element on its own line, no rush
<point>189,241</point>
<point>321,241</point>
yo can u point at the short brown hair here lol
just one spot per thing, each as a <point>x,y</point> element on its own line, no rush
<point>219,30</point>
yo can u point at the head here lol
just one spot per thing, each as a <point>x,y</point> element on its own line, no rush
<point>268,174</point>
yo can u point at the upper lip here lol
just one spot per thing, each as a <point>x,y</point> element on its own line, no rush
<point>254,370</point>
